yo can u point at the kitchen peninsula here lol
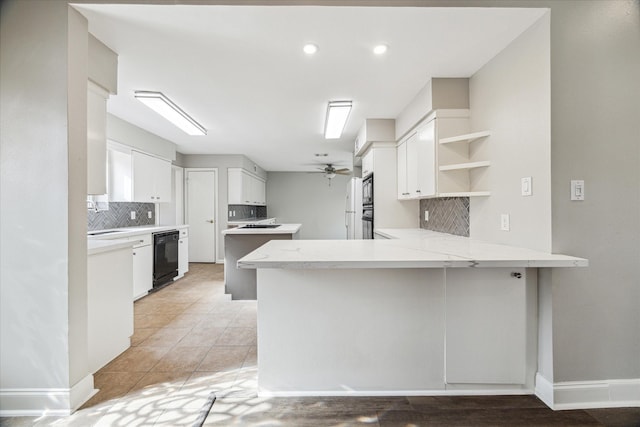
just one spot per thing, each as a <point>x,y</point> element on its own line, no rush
<point>424,313</point>
<point>238,242</point>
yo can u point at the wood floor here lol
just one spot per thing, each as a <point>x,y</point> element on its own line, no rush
<point>191,339</point>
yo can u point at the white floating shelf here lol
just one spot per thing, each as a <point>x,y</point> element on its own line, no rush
<point>466,194</point>
<point>462,166</point>
<point>469,137</point>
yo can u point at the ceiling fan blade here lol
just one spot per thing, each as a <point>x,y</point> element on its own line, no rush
<point>342,170</point>
<point>343,173</point>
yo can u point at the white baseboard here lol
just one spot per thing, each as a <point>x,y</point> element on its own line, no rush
<point>33,402</point>
<point>588,394</point>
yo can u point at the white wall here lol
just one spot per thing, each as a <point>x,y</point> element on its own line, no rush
<point>126,133</point>
<point>511,97</point>
<point>43,78</point>
<point>307,199</point>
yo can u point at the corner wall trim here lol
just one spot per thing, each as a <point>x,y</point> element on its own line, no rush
<point>46,401</point>
<point>588,394</point>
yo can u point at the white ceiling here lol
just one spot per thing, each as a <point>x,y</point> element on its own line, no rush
<point>240,70</point>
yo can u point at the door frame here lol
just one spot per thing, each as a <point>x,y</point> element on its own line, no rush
<point>215,203</point>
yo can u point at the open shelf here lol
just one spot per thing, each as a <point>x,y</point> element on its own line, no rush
<point>469,137</point>
<point>466,194</point>
<point>465,166</point>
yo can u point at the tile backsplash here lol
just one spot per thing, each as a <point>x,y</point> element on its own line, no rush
<point>118,215</point>
<point>245,212</point>
<point>446,215</point>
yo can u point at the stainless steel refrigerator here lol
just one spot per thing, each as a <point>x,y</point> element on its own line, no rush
<point>353,209</point>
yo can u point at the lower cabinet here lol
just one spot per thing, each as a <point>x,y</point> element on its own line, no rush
<point>142,267</point>
<point>183,253</point>
<point>109,306</point>
<point>491,325</point>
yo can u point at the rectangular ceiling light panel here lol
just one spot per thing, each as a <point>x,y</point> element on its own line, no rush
<point>337,115</point>
<point>170,111</point>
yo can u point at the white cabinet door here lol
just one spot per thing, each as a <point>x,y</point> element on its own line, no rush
<point>183,255</point>
<point>412,166</point>
<point>142,271</point>
<point>96,139</point>
<point>425,160</point>
<point>247,189</point>
<point>367,163</point>
<point>487,331</point>
<point>151,178</point>
<point>401,156</point>
<point>234,186</point>
<point>259,191</point>
<point>120,178</point>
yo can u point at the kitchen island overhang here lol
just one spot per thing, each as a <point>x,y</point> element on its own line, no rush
<point>438,315</point>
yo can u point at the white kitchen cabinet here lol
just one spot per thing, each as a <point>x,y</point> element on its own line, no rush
<point>244,188</point>
<point>109,306</point>
<point>96,139</point>
<point>137,177</point>
<point>367,163</point>
<point>436,164</point>
<point>401,157</point>
<point>142,265</point>
<point>183,253</point>
<point>491,320</point>
<point>374,130</point>
<point>151,178</point>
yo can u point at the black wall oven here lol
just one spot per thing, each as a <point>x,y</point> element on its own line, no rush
<point>367,207</point>
<point>165,257</point>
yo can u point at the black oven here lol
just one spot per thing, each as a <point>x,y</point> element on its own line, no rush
<point>367,190</point>
<point>165,257</point>
<point>367,222</point>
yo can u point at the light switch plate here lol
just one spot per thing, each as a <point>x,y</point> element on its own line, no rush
<point>133,214</point>
<point>504,222</point>
<point>526,188</point>
<point>577,189</point>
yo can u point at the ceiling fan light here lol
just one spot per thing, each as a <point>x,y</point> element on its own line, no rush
<point>162,105</point>
<point>337,115</point>
<point>330,175</point>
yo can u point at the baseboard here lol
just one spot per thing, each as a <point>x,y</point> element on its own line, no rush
<point>382,393</point>
<point>33,402</point>
<point>588,394</point>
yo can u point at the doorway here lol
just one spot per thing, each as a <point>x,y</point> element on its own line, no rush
<point>201,214</point>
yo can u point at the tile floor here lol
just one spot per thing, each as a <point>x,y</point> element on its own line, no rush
<point>190,340</point>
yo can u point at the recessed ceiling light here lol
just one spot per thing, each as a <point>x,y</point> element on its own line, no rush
<point>310,48</point>
<point>380,49</point>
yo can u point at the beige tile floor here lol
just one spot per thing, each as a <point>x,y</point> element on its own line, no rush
<point>190,340</point>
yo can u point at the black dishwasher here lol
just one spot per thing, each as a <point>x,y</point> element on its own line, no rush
<point>165,257</point>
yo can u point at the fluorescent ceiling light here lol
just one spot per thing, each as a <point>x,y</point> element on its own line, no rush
<point>170,111</point>
<point>337,115</point>
<point>310,48</point>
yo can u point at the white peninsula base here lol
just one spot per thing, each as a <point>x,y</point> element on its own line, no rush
<point>396,331</point>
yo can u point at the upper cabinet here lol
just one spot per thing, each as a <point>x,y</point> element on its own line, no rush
<point>96,139</point>
<point>151,178</point>
<point>244,188</point>
<point>138,177</point>
<point>438,159</point>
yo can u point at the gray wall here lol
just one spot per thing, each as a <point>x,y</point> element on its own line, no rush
<point>510,96</point>
<point>307,199</point>
<point>595,134</point>
<point>43,185</point>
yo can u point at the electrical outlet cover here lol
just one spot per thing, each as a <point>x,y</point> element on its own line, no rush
<point>527,190</point>
<point>426,215</point>
<point>133,214</point>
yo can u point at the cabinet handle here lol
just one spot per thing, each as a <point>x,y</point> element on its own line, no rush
<point>210,221</point>
<point>134,253</point>
<point>180,241</point>
<point>516,275</point>
<point>141,241</point>
<point>418,191</point>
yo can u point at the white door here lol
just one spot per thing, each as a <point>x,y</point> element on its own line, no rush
<point>201,196</point>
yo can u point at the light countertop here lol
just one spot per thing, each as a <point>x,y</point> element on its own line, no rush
<point>117,233</point>
<point>281,229</point>
<point>96,246</point>
<point>249,221</point>
<point>406,248</point>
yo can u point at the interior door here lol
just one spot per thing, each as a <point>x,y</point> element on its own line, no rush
<point>201,208</point>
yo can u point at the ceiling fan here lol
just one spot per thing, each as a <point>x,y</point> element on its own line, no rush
<point>330,172</point>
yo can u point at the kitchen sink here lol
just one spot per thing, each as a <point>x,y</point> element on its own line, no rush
<point>261,226</point>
